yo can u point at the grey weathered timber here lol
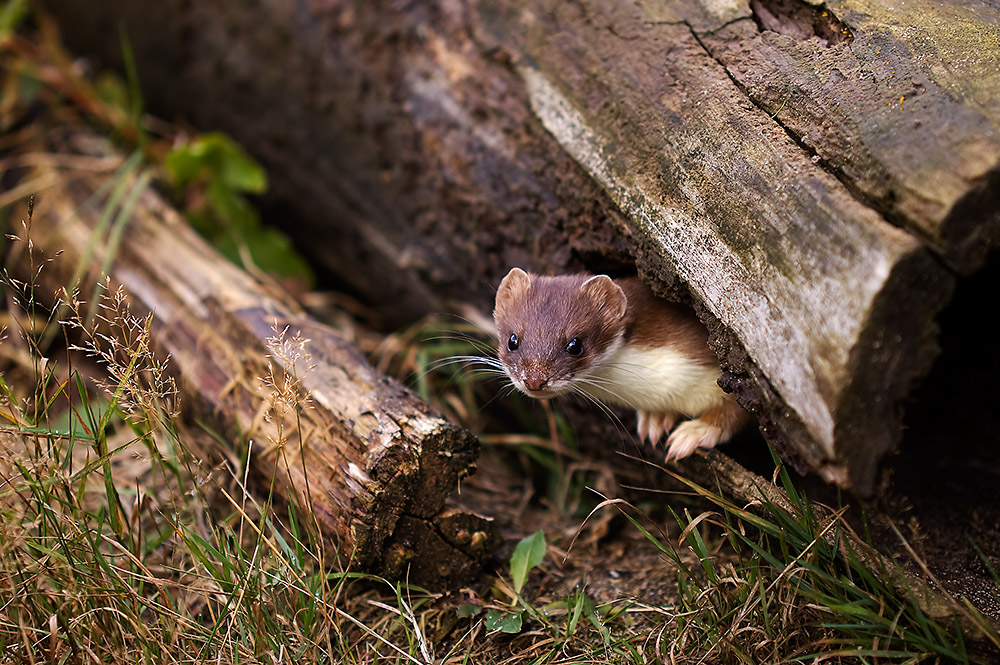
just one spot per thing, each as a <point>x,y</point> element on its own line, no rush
<point>812,174</point>
<point>374,463</point>
<point>800,271</point>
<point>900,101</point>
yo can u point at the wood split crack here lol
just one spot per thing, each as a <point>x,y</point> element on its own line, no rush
<point>813,155</point>
<point>796,138</point>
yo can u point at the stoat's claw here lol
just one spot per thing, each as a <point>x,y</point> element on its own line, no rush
<point>652,425</point>
<point>691,435</point>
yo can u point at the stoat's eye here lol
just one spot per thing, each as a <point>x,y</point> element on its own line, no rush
<point>574,347</point>
<point>513,342</point>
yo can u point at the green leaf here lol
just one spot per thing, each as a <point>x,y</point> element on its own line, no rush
<point>273,252</point>
<point>240,171</point>
<point>575,611</point>
<point>528,554</point>
<point>219,158</point>
<point>506,622</point>
<point>222,173</point>
<point>595,619</point>
<point>468,610</point>
<point>183,165</point>
<point>230,207</point>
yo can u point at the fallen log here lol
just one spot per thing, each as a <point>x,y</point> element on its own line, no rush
<point>375,465</point>
<point>833,306</point>
<point>813,176</point>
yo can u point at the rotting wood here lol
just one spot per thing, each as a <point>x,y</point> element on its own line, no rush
<point>723,131</point>
<point>375,464</point>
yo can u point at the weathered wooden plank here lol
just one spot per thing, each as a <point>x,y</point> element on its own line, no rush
<point>375,463</point>
<point>774,246</point>
<point>899,100</point>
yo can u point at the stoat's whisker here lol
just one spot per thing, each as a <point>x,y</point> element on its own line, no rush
<point>471,366</point>
<point>482,374</point>
<point>589,381</point>
<point>511,390</point>
<point>503,392</point>
<point>594,380</point>
<point>602,406</point>
<point>491,363</point>
<point>479,345</point>
<point>632,369</point>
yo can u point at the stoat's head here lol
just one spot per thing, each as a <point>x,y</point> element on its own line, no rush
<point>554,329</point>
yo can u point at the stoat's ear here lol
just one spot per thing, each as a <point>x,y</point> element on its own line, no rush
<point>514,286</point>
<point>606,294</point>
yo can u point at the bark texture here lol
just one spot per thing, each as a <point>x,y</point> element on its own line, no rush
<point>813,175</point>
<point>375,464</point>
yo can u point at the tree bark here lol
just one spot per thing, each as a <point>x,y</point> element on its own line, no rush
<point>794,267</point>
<point>902,107</point>
<point>812,175</point>
<point>375,464</point>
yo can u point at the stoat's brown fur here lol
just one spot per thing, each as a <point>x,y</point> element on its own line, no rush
<point>617,342</point>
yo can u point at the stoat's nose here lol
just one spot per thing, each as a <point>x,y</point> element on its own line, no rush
<point>535,384</point>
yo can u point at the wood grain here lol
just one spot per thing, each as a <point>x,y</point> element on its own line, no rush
<point>904,108</point>
<point>774,246</point>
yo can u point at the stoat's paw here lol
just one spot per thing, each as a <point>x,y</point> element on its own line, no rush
<point>690,435</point>
<point>653,425</point>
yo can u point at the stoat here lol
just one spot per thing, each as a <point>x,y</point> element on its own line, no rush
<point>615,341</point>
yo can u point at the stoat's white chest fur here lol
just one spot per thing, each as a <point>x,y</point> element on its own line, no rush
<point>657,379</point>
